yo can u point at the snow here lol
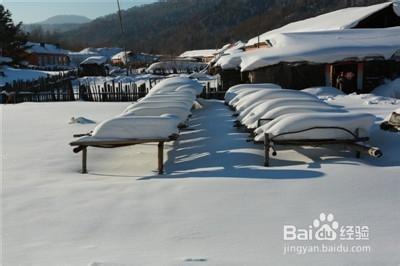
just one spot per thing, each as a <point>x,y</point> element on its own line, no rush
<point>324,92</point>
<point>37,48</point>
<point>216,203</point>
<point>173,84</point>
<point>325,47</point>
<point>181,112</point>
<point>105,51</point>
<point>235,90</point>
<point>14,74</point>
<point>337,20</point>
<point>389,89</point>
<point>4,59</point>
<point>251,120</point>
<point>263,110</point>
<point>299,126</point>
<point>136,127</point>
<point>263,95</point>
<point>199,53</point>
<point>231,61</point>
<point>95,60</point>
<point>171,66</point>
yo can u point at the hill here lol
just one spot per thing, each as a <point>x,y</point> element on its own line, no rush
<point>173,26</point>
<point>60,24</point>
<point>66,19</point>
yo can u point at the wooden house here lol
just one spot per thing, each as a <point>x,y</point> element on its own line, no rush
<point>93,66</point>
<point>360,58</point>
<point>382,15</point>
<point>46,55</point>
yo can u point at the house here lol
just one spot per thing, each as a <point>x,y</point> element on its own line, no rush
<point>46,55</point>
<point>376,16</point>
<point>134,60</point>
<point>200,55</point>
<point>355,19</point>
<point>79,57</point>
<point>93,66</point>
<point>308,59</point>
<point>176,67</point>
<point>230,75</point>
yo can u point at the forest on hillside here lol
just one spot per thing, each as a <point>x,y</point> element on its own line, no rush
<point>173,26</point>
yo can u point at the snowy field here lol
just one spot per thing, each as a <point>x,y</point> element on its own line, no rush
<point>216,205</point>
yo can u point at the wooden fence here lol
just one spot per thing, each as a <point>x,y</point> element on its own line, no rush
<point>113,91</point>
<point>45,89</point>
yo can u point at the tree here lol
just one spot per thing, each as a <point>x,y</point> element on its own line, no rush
<point>11,36</point>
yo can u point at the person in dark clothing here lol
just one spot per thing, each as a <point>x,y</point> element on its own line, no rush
<point>345,82</point>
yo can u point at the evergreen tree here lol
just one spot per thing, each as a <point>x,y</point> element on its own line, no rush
<point>11,36</point>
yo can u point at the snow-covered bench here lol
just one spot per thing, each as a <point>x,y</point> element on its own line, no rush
<point>250,88</point>
<point>155,118</point>
<point>318,129</point>
<point>127,131</point>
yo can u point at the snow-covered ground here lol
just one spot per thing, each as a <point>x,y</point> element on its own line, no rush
<point>215,206</point>
<point>14,74</point>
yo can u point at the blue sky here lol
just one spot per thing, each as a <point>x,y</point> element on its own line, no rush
<point>30,11</point>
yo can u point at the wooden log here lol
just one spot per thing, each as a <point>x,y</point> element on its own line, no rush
<point>161,157</point>
<point>84,160</point>
<point>363,148</point>
<point>266,149</point>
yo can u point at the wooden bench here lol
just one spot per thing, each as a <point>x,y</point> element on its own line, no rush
<point>356,144</point>
<point>82,145</point>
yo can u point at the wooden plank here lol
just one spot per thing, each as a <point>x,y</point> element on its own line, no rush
<point>84,160</point>
<point>161,157</point>
<point>266,149</point>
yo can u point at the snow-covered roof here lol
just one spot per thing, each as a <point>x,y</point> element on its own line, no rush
<point>325,47</point>
<point>121,56</point>
<point>169,65</point>
<point>44,48</point>
<point>200,53</point>
<point>5,60</point>
<point>338,20</point>
<point>105,51</point>
<point>96,60</point>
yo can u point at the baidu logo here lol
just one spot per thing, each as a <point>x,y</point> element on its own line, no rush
<point>331,237</point>
<point>325,228</point>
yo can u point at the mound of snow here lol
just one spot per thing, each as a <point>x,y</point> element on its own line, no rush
<point>303,126</point>
<point>252,120</point>
<point>137,127</point>
<point>181,112</point>
<point>81,120</point>
<point>260,108</point>
<point>156,104</point>
<point>324,92</point>
<point>233,91</point>
<point>389,89</point>
<point>172,84</point>
<point>250,100</point>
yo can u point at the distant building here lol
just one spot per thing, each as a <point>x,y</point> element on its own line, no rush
<point>78,57</point>
<point>383,15</point>
<point>200,55</point>
<point>357,60</point>
<point>93,66</point>
<point>46,55</point>
<point>134,60</point>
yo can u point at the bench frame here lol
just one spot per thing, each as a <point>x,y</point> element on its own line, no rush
<point>110,144</point>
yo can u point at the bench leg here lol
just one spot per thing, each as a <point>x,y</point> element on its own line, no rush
<point>161,157</point>
<point>358,153</point>
<point>84,160</point>
<point>266,150</point>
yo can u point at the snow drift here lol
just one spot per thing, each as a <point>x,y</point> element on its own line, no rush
<point>136,127</point>
<point>323,126</point>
